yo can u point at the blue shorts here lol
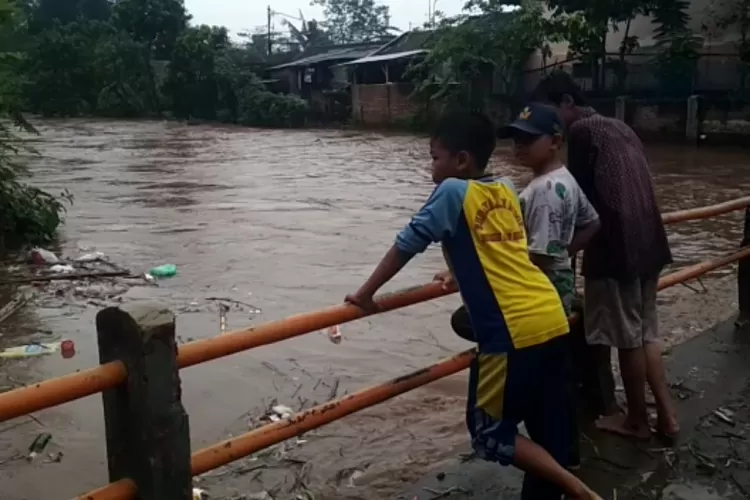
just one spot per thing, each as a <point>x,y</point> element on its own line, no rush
<point>527,386</point>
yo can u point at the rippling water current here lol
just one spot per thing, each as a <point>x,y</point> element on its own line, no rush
<point>291,221</point>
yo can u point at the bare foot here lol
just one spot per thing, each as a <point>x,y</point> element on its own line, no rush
<point>668,426</point>
<point>668,429</point>
<point>612,409</point>
<point>620,425</point>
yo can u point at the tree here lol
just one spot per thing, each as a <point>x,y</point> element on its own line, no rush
<point>677,46</point>
<point>587,24</point>
<point>193,83</point>
<point>734,15</point>
<point>27,214</point>
<point>60,62</point>
<point>122,77</point>
<point>44,14</point>
<point>309,34</point>
<point>156,25</point>
<point>349,21</point>
<point>485,44</point>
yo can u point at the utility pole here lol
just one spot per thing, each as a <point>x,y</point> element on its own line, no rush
<point>270,42</point>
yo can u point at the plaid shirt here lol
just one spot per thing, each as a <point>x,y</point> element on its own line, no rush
<point>609,163</point>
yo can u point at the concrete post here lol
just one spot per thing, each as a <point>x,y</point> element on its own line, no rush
<point>692,120</point>
<point>621,107</point>
<point>743,278</point>
<point>148,438</point>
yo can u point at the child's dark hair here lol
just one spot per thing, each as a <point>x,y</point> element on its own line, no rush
<point>557,85</point>
<point>466,131</point>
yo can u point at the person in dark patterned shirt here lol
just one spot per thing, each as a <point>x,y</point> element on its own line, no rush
<point>621,264</point>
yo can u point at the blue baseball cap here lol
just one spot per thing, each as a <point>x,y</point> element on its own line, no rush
<point>537,119</point>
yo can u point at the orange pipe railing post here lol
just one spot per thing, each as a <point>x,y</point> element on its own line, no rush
<point>743,277</point>
<point>148,439</point>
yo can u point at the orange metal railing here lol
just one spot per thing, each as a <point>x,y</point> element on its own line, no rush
<point>68,388</point>
<point>53,392</point>
<point>238,447</point>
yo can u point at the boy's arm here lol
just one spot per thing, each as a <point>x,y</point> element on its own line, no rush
<point>435,221</point>
<point>582,236</point>
<point>539,230</point>
<point>587,224</point>
<point>391,263</point>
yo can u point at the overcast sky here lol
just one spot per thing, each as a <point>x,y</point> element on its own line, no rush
<point>245,15</point>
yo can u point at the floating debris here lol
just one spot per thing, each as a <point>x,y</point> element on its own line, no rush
<point>356,475</point>
<point>68,349</point>
<point>35,349</point>
<point>223,310</point>
<point>724,415</point>
<point>40,256</point>
<point>11,307</point>
<point>39,444</point>
<point>200,494</point>
<point>54,458</point>
<point>90,257</point>
<point>334,334</point>
<point>163,271</point>
<point>62,268</point>
<point>282,411</point>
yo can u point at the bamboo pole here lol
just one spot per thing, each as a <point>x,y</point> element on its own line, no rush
<point>706,212</point>
<point>233,449</point>
<point>53,392</point>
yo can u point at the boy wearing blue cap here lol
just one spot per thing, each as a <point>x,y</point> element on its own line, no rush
<point>558,218</point>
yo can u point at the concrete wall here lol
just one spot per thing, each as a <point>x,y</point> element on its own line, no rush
<point>693,120</point>
<point>383,104</point>
<point>716,71</point>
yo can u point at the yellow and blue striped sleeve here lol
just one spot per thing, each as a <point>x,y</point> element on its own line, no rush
<point>436,220</point>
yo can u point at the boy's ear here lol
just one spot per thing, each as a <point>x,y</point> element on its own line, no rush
<point>464,160</point>
<point>558,140</point>
<point>568,100</point>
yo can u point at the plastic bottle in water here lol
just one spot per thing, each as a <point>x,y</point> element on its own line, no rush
<point>163,271</point>
<point>39,444</point>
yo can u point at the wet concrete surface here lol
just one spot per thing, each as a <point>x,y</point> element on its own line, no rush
<point>290,221</point>
<point>711,459</point>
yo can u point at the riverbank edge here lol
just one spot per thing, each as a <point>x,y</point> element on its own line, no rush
<point>707,372</point>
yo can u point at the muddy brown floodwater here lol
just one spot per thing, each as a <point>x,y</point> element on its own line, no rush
<point>291,221</point>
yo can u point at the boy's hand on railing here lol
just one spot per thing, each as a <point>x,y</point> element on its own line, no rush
<point>364,302</point>
<point>447,279</point>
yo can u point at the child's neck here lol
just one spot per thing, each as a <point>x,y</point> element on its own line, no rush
<point>547,168</point>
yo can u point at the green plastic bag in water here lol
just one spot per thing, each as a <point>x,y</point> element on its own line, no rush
<point>164,271</point>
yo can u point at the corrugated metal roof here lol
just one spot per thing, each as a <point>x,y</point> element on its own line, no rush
<point>407,44</point>
<point>333,54</point>
<point>384,57</point>
<point>411,40</point>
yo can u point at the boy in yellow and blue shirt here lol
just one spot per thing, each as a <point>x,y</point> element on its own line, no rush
<point>519,373</point>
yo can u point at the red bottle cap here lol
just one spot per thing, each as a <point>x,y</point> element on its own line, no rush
<point>68,349</point>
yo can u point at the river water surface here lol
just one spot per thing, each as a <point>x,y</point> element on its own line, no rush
<point>291,221</point>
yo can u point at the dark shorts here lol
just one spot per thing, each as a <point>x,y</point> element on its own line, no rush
<point>528,386</point>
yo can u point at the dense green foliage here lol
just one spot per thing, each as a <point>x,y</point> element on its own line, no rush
<point>486,45</point>
<point>350,21</point>
<point>134,58</point>
<point>27,214</point>
<point>677,46</point>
